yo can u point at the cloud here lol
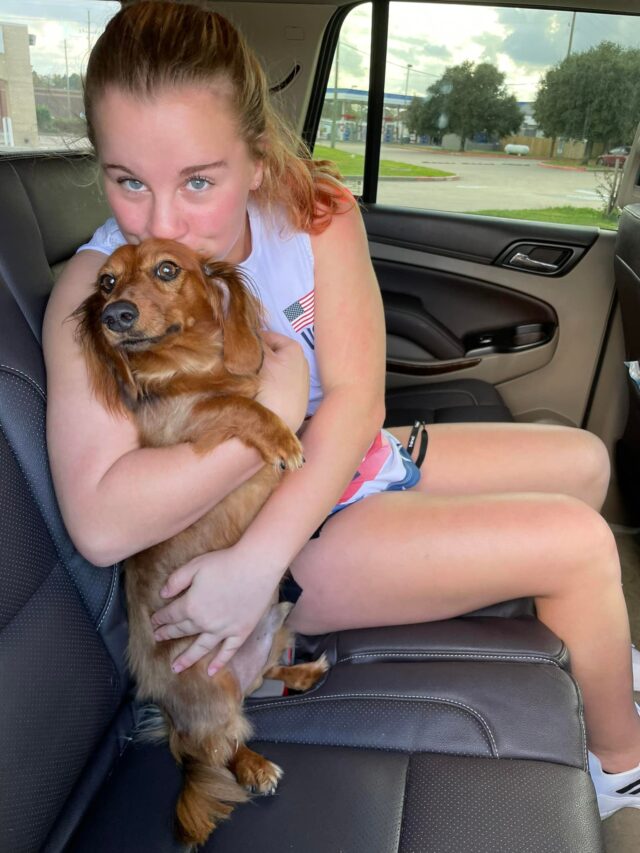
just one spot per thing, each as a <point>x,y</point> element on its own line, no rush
<point>538,37</point>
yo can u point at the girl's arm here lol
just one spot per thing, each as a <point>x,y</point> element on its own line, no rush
<point>350,347</point>
<point>117,498</point>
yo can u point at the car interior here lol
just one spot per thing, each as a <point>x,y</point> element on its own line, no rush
<point>442,737</point>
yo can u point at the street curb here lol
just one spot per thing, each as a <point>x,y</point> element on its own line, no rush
<point>563,168</point>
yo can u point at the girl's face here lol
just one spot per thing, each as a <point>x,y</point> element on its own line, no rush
<point>175,168</point>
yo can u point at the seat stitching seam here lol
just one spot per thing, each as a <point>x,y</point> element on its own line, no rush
<point>112,592</point>
<point>24,375</point>
<point>289,702</point>
<point>448,655</point>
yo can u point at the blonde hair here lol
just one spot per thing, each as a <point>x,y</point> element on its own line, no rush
<point>153,44</point>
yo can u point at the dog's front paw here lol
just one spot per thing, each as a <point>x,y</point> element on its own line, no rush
<point>288,453</point>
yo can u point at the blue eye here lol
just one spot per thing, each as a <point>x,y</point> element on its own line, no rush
<point>198,184</point>
<point>132,184</point>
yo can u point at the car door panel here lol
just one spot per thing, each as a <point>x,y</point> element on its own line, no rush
<point>460,313</point>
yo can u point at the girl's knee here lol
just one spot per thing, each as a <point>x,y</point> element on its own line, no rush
<point>588,543</point>
<point>594,463</point>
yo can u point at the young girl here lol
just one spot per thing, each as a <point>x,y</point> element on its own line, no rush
<point>190,149</point>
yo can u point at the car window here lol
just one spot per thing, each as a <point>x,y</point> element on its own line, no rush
<point>343,124</point>
<point>493,110</point>
<point>43,50</point>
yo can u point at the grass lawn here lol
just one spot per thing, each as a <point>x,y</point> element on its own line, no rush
<point>565,215</point>
<point>353,164</point>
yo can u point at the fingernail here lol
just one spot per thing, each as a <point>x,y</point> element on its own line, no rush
<point>212,670</point>
<point>164,592</point>
<point>157,637</point>
<point>176,667</point>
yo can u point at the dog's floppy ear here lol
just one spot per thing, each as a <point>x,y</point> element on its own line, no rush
<point>109,373</point>
<point>241,319</point>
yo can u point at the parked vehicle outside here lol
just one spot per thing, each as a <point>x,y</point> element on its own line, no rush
<point>619,154</point>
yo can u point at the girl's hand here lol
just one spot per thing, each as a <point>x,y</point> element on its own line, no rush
<point>224,600</point>
<point>284,379</point>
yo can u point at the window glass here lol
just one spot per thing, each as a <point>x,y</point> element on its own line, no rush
<point>343,123</point>
<point>526,113</point>
<point>523,112</point>
<point>43,52</point>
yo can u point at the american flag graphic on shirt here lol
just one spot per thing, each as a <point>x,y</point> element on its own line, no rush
<point>300,312</point>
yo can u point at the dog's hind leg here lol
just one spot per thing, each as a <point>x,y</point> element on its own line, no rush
<point>254,772</point>
<point>300,676</point>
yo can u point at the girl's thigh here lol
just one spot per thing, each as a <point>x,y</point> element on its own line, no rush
<point>467,459</point>
<point>404,557</point>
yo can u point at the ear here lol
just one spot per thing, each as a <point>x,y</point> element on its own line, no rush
<point>109,373</point>
<point>241,320</point>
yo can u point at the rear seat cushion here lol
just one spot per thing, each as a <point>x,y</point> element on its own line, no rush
<point>360,801</point>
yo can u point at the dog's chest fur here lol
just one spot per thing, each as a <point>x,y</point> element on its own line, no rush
<point>168,420</point>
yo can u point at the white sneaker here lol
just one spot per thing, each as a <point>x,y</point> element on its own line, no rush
<point>615,791</point>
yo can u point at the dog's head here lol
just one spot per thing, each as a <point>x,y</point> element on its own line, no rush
<point>159,312</point>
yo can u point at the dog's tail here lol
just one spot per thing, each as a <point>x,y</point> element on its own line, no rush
<point>210,791</point>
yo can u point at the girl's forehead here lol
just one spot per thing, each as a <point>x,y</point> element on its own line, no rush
<point>190,115</point>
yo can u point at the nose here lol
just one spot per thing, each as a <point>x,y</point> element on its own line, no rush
<point>120,316</point>
<point>165,222</point>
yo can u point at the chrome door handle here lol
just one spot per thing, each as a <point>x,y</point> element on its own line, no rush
<point>524,261</point>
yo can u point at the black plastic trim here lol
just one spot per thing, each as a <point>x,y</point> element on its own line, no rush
<point>288,80</point>
<point>375,110</point>
<point>572,256</point>
<point>600,362</point>
<point>466,236</point>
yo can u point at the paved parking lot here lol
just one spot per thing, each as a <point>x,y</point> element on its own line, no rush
<point>485,183</point>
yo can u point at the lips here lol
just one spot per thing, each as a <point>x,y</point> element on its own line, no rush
<point>139,342</point>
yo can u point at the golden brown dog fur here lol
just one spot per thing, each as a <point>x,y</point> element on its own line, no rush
<point>187,369</point>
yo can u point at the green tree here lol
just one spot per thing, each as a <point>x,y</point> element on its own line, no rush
<point>43,117</point>
<point>57,81</point>
<point>467,99</point>
<point>592,96</point>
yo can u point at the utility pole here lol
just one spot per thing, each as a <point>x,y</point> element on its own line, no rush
<point>66,71</point>
<point>573,26</point>
<point>334,118</point>
<point>406,94</point>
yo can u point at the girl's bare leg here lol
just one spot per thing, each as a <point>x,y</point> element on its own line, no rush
<point>474,459</point>
<point>406,557</point>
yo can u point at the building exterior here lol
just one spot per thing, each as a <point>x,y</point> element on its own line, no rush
<point>17,99</point>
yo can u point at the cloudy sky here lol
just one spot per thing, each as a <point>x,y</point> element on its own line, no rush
<point>523,43</point>
<point>54,23</point>
<point>427,36</point>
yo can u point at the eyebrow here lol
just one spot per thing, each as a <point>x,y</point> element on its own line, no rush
<point>189,170</point>
<point>217,164</point>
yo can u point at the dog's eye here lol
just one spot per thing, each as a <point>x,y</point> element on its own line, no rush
<point>167,270</point>
<point>107,282</point>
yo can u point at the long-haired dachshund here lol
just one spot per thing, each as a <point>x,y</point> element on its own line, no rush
<point>176,341</point>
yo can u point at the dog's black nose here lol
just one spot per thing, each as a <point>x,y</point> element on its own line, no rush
<point>120,316</point>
